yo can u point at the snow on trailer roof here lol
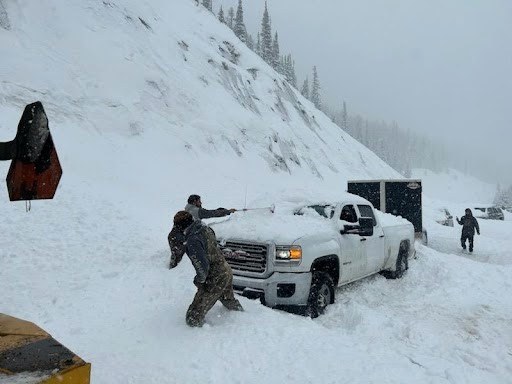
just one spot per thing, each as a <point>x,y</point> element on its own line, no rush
<point>386,180</point>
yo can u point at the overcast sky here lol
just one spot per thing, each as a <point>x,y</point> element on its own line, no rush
<point>442,67</point>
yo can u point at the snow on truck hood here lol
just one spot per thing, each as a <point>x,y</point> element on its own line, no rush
<point>262,226</point>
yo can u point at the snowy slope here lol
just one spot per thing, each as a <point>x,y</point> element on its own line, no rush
<point>453,186</point>
<point>156,79</point>
<point>146,107</point>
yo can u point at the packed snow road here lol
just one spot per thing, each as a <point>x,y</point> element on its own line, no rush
<point>99,284</point>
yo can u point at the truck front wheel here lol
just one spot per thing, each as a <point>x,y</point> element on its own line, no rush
<point>321,294</point>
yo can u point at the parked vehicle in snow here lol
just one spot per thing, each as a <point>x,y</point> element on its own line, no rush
<point>493,213</point>
<point>295,258</point>
<point>444,217</point>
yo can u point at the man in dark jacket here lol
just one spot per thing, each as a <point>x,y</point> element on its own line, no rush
<point>214,278</point>
<point>469,224</point>
<point>195,208</point>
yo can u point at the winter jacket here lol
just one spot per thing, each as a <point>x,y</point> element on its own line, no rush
<point>469,224</point>
<point>201,213</point>
<point>176,240</point>
<point>202,249</point>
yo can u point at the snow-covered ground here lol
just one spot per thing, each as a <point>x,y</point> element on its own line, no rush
<point>93,273</point>
<point>142,118</point>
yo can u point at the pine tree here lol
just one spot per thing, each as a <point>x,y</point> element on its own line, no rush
<point>293,76</point>
<point>258,45</point>
<point>239,27</point>
<point>305,88</point>
<point>275,53</point>
<point>266,37</point>
<point>315,90</point>
<point>500,197</point>
<point>344,117</point>
<point>288,69</point>
<point>283,65</point>
<point>250,42</point>
<point>231,17</point>
<point>208,5</point>
<point>221,15</point>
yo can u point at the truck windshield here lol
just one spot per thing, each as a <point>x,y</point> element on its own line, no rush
<point>324,210</point>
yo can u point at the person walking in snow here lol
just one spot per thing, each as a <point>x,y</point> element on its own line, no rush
<point>469,224</point>
<point>194,207</point>
<point>214,278</point>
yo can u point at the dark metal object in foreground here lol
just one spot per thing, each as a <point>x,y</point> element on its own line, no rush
<point>24,348</point>
<point>35,171</point>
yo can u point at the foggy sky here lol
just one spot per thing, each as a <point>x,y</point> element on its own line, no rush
<point>442,67</point>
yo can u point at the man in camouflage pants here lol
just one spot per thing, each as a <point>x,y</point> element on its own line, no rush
<point>213,278</point>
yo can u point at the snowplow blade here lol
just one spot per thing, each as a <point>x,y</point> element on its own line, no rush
<point>35,171</point>
<point>29,353</point>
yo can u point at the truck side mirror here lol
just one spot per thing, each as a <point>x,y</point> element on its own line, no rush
<point>365,226</point>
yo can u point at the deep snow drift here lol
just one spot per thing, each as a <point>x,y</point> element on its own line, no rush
<point>146,108</point>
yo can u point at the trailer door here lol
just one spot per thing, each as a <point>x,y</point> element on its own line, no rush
<point>403,198</point>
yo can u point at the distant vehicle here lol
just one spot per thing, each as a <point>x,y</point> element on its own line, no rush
<point>493,213</point>
<point>445,217</point>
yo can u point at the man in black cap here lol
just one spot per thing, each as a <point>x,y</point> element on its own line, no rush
<point>194,207</point>
<point>214,278</point>
<point>469,224</point>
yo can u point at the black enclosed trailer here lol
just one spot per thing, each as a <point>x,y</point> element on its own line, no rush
<point>398,197</point>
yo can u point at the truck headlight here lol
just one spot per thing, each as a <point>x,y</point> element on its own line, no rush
<point>288,253</point>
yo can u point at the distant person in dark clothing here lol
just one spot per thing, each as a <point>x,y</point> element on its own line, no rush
<point>214,278</point>
<point>194,207</point>
<point>469,224</point>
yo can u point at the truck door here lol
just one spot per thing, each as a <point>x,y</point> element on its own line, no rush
<point>373,247</point>
<point>353,262</point>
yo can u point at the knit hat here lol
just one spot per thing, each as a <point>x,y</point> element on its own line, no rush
<point>183,219</point>
<point>193,198</point>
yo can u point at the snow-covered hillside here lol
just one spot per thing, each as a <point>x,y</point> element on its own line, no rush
<point>150,101</point>
<point>167,85</point>
<point>454,186</point>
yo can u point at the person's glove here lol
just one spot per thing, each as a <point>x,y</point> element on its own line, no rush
<point>197,282</point>
<point>478,233</point>
<point>173,263</point>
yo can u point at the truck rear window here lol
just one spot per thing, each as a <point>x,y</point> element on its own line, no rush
<point>367,211</point>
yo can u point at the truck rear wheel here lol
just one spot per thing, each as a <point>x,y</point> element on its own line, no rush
<point>321,294</point>
<point>402,264</point>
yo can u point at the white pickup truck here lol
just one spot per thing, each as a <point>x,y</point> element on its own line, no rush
<point>295,257</point>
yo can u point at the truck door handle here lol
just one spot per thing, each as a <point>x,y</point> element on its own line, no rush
<point>381,236</point>
<point>363,239</point>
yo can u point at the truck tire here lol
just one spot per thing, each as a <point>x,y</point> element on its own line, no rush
<point>402,263</point>
<point>321,294</point>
